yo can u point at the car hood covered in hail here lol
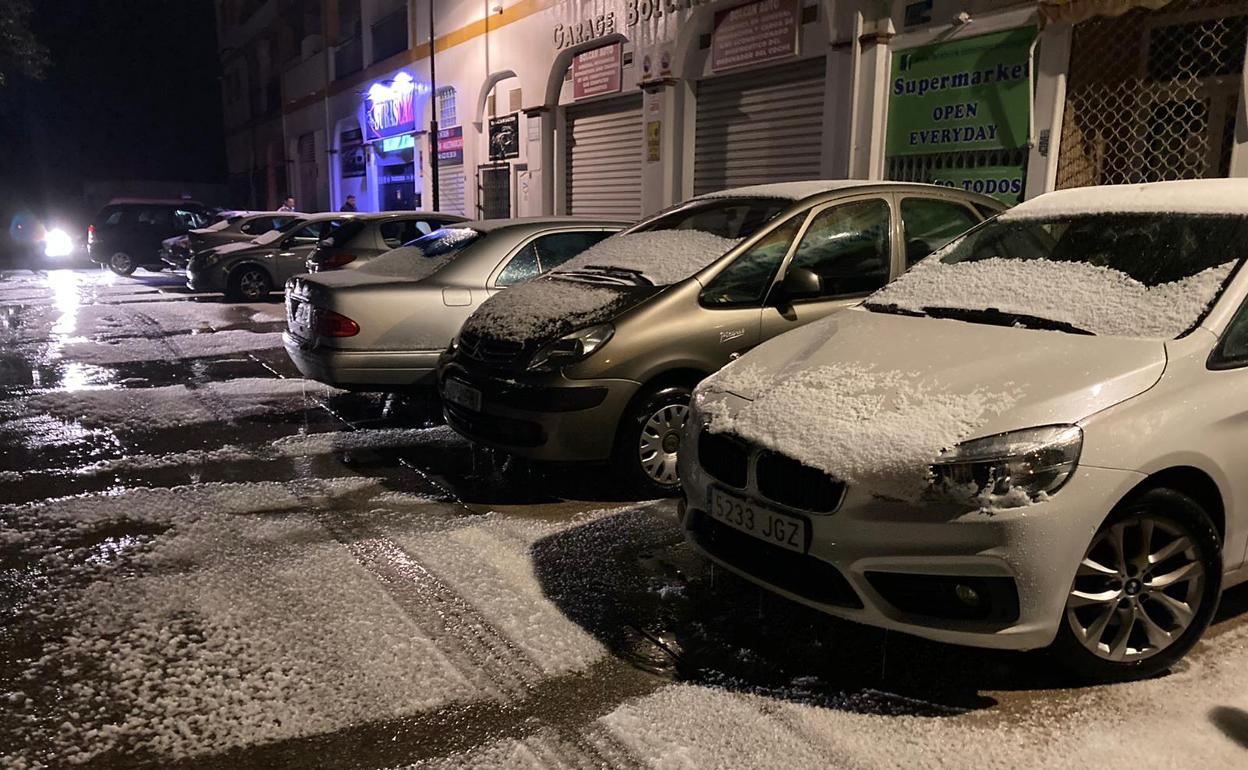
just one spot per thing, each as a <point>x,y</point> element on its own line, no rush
<point>875,398</point>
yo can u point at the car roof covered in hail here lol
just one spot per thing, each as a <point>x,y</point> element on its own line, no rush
<point>797,191</point>
<point>1192,196</point>
<point>490,225</point>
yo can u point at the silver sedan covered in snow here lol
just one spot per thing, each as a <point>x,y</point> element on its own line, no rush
<point>383,326</point>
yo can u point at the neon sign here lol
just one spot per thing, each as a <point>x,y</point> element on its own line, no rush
<point>396,143</point>
<point>390,107</point>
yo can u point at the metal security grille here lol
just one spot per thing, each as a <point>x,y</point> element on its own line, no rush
<point>760,126</point>
<point>451,190</point>
<point>1153,95</point>
<point>495,192</point>
<point>307,173</point>
<point>603,158</point>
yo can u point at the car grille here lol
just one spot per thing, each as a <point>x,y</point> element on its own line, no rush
<point>490,351</point>
<point>493,428</point>
<point>800,574</point>
<point>777,477</point>
<point>724,457</point>
<point>791,483</point>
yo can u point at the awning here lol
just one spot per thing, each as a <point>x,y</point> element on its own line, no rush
<point>1075,11</point>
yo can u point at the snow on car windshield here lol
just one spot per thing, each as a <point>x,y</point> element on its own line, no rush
<point>424,256</point>
<point>662,257</point>
<point>219,226</point>
<point>569,298</point>
<point>1118,274</point>
<point>877,429</point>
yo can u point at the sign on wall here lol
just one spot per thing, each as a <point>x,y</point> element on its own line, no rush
<point>755,33</point>
<point>963,95</point>
<point>1005,183</point>
<point>505,137</point>
<point>597,72</point>
<point>352,157</point>
<point>451,146</point>
<point>390,107</point>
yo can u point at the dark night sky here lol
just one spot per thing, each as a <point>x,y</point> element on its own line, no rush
<point>132,93</point>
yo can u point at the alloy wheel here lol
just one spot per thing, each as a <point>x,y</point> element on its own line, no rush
<point>121,263</point>
<point>660,443</point>
<point>1137,590</point>
<point>253,284</point>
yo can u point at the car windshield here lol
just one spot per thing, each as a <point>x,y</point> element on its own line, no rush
<point>734,218</point>
<point>1132,275</point>
<point>272,235</point>
<point>341,236</point>
<point>221,224</point>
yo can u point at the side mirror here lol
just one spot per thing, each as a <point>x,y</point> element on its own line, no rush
<point>801,283</point>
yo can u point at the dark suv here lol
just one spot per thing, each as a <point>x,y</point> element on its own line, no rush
<point>126,234</point>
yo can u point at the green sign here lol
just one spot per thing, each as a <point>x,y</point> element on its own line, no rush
<point>1005,183</point>
<point>963,95</point>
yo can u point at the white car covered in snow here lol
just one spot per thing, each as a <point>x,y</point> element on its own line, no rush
<point>1035,437</point>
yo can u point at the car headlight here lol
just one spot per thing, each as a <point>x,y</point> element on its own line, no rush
<point>571,348</point>
<point>1034,461</point>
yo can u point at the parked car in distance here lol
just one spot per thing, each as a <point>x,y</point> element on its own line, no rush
<point>228,227</point>
<point>596,362</point>
<point>371,235</point>
<point>251,270</point>
<point>382,327</point>
<point>127,233</point>
<point>1033,439</point>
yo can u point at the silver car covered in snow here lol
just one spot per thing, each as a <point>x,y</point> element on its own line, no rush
<point>382,327</point>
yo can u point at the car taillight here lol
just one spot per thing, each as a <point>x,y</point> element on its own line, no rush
<point>336,261</point>
<point>331,324</point>
<point>90,234</point>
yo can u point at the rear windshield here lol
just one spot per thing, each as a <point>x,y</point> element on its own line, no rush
<point>344,233</point>
<point>734,218</point>
<point>426,255</point>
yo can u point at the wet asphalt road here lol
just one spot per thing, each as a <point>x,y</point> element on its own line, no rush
<point>206,562</point>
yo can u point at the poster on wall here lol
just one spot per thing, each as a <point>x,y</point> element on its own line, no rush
<point>354,160</point>
<point>451,146</point>
<point>597,72</point>
<point>962,95</point>
<point>505,137</point>
<point>755,33</point>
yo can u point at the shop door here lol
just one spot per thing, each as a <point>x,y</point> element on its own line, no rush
<point>451,190</point>
<point>603,159</point>
<point>306,200</point>
<point>1153,95</point>
<point>759,126</point>
<point>494,192</point>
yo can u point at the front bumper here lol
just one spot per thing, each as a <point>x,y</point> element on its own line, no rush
<point>542,416</point>
<point>874,561</point>
<point>362,369</point>
<point>209,279</point>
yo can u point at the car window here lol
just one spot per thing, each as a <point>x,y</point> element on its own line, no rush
<point>1232,351</point>
<point>395,233</point>
<point>157,217</point>
<point>114,217</point>
<point>929,223</point>
<point>725,217</point>
<point>258,226</point>
<point>555,249</point>
<point>523,266</point>
<point>190,219</point>
<point>746,280</point>
<point>847,246</point>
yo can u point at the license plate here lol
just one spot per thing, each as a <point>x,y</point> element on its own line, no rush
<point>763,523</point>
<point>462,394</point>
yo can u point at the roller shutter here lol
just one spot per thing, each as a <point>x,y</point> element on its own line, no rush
<point>603,158</point>
<point>451,190</point>
<point>759,126</point>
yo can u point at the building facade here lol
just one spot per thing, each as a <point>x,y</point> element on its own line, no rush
<point>622,107</point>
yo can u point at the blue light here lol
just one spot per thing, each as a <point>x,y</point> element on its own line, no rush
<point>396,143</point>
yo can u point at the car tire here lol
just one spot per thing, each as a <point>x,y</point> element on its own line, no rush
<point>121,263</point>
<point>649,438</point>
<point>1114,612</point>
<point>248,283</point>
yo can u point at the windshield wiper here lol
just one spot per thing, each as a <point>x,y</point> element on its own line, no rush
<point>618,276</point>
<point>996,317</point>
<point>892,307</point>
